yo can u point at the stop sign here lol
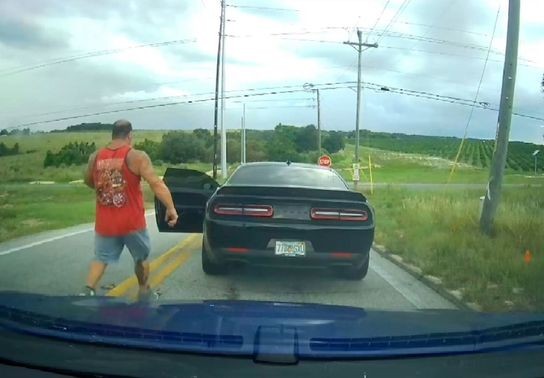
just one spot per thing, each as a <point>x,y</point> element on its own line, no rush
<point>325,161</point>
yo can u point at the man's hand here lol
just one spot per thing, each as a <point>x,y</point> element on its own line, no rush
<point>171,216</point>
<point>143,167</point>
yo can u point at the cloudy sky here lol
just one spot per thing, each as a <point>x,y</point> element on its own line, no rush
<point>64,58</point>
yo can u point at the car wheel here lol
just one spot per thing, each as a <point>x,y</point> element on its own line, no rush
<point>355,273</point>
<point>208,266</point>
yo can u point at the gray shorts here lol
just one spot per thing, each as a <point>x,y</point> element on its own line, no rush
<point>107,249</point>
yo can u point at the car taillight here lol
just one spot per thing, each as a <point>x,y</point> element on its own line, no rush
<point>245,210</point>
<point>228,210</point>
<point>258,211</point>
<point>339,215</point>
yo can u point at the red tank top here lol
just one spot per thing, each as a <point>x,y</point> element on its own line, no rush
<point>119,200</point>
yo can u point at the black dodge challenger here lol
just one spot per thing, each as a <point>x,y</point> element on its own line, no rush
<point>274,214</point>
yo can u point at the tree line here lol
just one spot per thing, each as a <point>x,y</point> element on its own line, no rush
<point>15,132</point>
<point>285,142</point>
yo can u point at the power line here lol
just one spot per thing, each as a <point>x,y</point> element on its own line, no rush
<point>280,107</point>
<point>411,49</point>
<point>142,107</point>
<point>472,47</point>
<point>159,98</point>
<point>377,20</point>
<point>92,54</point>
<point>274,100</point>
<point>390,34</point>
<point>432,26</point>
<point>399,11</point>
<point>436,97</point>
<point>323,86</point>
<point>262,8</point>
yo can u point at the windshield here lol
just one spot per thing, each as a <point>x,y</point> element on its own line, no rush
<point>379,155</point>
<point>286,175</point>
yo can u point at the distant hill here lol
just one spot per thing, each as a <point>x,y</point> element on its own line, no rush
<point>476,152</point>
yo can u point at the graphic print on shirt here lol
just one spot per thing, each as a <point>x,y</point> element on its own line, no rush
<point>110,183</point>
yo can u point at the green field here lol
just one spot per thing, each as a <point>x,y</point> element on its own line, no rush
<point>396,167</point>
<point>475,152</point>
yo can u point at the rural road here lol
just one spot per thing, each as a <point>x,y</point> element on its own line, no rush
<point>56,263</point>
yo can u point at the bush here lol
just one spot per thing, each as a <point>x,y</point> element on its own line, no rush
<point>152,148</point>
<point>75,153</point>
<point>334,142</point>
<point>6,151</point>
<point>181,147</point>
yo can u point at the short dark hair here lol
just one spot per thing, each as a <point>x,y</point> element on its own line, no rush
<point>121,129</point>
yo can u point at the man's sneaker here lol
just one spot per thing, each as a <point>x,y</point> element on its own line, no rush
<point>87,292</point>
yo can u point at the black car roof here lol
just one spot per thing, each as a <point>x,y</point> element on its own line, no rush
<point>285,164</point>
<point>281,166</point>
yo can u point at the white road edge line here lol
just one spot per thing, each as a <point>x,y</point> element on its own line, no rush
<point>407,293</point>
<point>7,252</point>
<point>26,246</point>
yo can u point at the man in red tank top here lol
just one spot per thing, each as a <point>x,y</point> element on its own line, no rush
<point>115,172</point>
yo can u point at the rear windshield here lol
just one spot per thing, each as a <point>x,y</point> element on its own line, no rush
<point>276,175</point>
<point>188,179</point>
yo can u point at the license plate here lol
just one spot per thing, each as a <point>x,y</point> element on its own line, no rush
<point>290,248</point>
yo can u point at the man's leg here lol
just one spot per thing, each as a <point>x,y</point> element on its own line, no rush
<point>139,245</point>
<point>96,272</point>
<point>141,268</point>
<point>106,250</point>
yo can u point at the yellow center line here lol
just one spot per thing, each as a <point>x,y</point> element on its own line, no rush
<point>132,281</point>
<point>183,257</point>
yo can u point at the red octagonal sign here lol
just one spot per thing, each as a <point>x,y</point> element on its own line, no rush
<point>325,161</point>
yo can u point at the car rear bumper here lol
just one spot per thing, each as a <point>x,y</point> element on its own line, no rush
<point>268,258</point>
<point>255,244</point>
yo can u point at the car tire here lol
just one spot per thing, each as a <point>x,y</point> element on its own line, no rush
<point>354,273</point>
<point>208,266</point>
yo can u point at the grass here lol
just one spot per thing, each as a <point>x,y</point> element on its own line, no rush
<point>439,232</point>
<point>29,209</point>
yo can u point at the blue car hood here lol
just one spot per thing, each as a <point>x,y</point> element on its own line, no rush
<point>267,331</point>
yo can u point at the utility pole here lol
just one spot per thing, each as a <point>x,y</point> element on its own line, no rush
<point>359,47</point>
<point>318,122</point>
<point>310,87</point>
<point>496,174</point>
<point>535,154</point>
<point>223,128</point>
<point>216,108</point>
<point>243,137</point>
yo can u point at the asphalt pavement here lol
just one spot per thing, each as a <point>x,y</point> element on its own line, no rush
<point>56,263</point>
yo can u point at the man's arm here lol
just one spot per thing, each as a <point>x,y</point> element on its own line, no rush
<point>88,178</point>
<point>145,170</point>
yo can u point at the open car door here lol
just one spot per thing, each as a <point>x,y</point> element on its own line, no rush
<point>190,190</point>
